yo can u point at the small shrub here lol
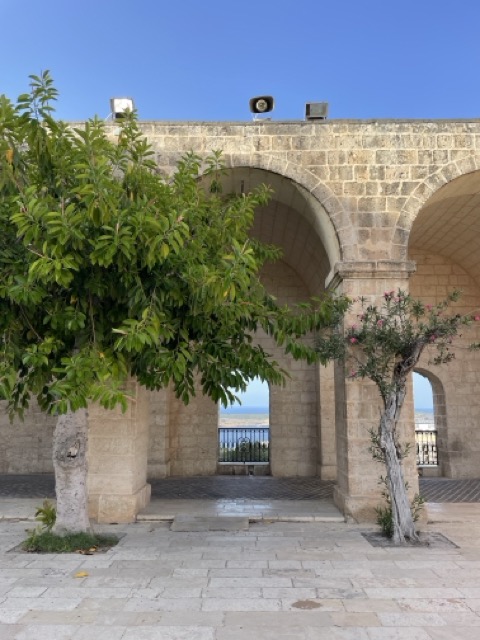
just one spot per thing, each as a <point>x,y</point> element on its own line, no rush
<point>48,542</point>
<point>46,515</point>
<point>385,520</point>
<point>385,515</point>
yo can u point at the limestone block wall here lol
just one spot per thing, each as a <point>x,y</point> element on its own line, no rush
<point>327,449</point>
<point>372,177</point>
<point>457,384</point>
<point>117,458</point>
<point>192,435</point>
<point>26,446</point>
<point>158,443</point>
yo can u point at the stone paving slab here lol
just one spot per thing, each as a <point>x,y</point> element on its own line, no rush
<point>186,522</point>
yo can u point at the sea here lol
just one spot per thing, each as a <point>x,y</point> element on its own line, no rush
<point>244,416</point>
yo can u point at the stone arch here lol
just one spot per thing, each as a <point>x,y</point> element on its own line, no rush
<point>296,221</point>
<point>424,191</point>
<point>307,181</point>
<point>444,241</point>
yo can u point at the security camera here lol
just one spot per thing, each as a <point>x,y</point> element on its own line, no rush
<point>262,104</point>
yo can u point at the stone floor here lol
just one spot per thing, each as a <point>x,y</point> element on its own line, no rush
<point>275,581</point>
<point>294,571</point>
<point>243,487</point>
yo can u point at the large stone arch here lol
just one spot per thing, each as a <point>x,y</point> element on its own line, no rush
<point>444,241</point>
<point>425,190</point>
<point>298,223</point>
<point>309,183</point>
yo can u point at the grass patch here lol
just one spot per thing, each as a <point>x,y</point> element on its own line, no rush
<point>48,542</point>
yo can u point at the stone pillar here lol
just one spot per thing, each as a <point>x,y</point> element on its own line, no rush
<point>327,450</point>
<point>193,435</point>
<point>117,459</point>
<point>159,438</point>
<point>358,403</point>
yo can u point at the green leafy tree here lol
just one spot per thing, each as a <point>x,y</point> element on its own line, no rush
<point>385,346</point>
<point>108,270</point>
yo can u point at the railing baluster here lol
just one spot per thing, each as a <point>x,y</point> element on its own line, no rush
<point>426,447</point>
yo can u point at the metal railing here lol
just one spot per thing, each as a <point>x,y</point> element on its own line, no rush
<point>247,445</point>
<point>426,443</point>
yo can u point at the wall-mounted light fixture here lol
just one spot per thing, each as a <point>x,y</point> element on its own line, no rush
<point>118,107</point>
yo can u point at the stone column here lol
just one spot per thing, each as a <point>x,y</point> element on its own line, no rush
<point>159,438</point>
<point>358,402</point>
<point>193,435</point>
<point>327,450</point>
<point>117,459</point>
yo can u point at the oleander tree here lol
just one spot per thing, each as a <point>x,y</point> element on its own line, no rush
<point>384,346</point>
<point>109,271</point>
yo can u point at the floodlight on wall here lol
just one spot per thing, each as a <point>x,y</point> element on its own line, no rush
<point>119,106</point>
<point>262,104</point>
<point>316,110</point>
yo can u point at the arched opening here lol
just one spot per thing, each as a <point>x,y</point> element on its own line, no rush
<point>426,424</point>
<point>445,244</point>
<point>301,427</point>
<point>244,432</point>
<point>297,223</point>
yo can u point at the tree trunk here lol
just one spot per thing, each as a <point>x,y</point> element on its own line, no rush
<point>70,465</point>
<point>403,524</point>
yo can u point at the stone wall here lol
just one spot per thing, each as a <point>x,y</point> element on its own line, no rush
<point>372,177</point>
<point>26,446</point>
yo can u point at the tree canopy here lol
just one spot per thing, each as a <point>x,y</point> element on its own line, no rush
<point>108,269</point>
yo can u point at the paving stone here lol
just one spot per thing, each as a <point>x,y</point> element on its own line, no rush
<point>169,633</point>
<point>440,605</point>
<point>212,523</point>
<point>100,632</point>
<point>9,632</point>
<point>240,604</point>
<point>408,619</point>
<point>453,633</point>
<point>47,632</point>
<point>238,633</point>
<point>405,633</point>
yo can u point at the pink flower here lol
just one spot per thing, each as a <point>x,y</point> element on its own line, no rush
<point>379,323</point>
<point>476,318</point>
<point>433,338</point>
<point>428,307</point>
<point>353,340</point>
<point>353,373</point>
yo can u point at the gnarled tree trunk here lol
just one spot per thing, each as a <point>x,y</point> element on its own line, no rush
<point>403,524</point>
<point>70,440</point>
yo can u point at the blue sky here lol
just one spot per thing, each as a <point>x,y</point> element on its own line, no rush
<point>204,60</point>
<point>257,393</point>
<point>195,60</point>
